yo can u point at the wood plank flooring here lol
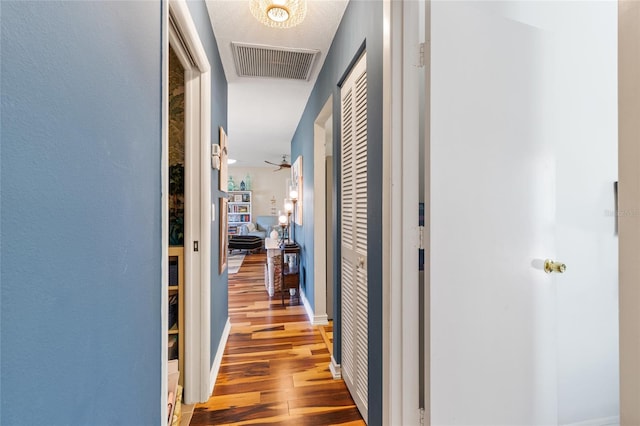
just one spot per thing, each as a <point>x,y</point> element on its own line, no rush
<point>275,368</point>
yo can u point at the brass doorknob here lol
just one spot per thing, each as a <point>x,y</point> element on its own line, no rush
<point>551,266</point>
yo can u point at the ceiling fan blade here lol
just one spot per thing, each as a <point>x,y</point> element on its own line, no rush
<point>273,164</point>
<point>286,166</point>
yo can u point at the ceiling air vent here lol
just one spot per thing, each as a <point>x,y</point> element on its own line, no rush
<point>254,60</point>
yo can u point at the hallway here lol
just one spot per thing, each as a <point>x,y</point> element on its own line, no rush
<point>275,367</point>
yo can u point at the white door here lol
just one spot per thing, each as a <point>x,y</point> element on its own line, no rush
<point>523,161</point>
<point>354,234</point>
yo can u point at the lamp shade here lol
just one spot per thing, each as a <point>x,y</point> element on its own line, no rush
<point>293,194</point>
<point>279,13</point>
<point>288,206</point>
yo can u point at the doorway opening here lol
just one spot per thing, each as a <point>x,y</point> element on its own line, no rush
<point>322,213</point>
<point>190,227</point>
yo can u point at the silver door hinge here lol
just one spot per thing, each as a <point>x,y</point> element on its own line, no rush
<point>421,59</point>
<point>195,246</point>
<point>422,417</point>
<point>420,237</point>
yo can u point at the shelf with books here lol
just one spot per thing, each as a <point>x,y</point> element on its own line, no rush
<point>238,210</point>
<point>176,330</point>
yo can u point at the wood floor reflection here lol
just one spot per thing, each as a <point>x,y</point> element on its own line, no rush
<point>275,368</point>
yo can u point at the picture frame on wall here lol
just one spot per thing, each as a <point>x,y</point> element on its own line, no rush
<point>224,234</point>
<point>223,175</point>
<point>296,182</point>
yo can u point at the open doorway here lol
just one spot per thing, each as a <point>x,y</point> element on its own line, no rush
<point>322,213</point>
<point>191,226</point>
<point>329,214</point>
<point>176,203</point>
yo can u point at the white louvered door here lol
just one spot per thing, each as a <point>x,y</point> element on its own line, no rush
<point>354,235</point>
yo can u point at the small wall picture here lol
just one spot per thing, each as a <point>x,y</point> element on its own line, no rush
<point>296,182</point>
<point>223,176</point>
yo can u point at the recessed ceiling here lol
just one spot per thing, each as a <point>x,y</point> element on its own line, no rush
<point>264,112</point>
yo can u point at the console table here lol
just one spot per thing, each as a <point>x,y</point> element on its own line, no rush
<point>290,269</point>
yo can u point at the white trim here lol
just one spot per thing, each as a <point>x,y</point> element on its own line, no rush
<point>426,350</point>
<point>187,28</point>
<point>389,402</point>
<point>336,369</point>
<point>205,229</point>
<point>164,262</point>
<point>191,53</point>
<point>319,209</point>
<point>314,319</point>
<point>606,421</point>
<point>394,211</point>
<point>401,70</point>
<point>217,362</point>
<point>409,236</point>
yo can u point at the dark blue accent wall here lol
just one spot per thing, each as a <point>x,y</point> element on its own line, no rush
<point>361,26</point>
<point>219,283</point>
<point>81,212</point>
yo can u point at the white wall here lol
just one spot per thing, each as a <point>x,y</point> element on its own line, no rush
<point>523,152</point>
<point>265,184</point>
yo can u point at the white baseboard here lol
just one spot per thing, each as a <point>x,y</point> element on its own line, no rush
<point>605,421</point>
<point>217,361</point>
<point>313,319</point>
<point>336,370</point>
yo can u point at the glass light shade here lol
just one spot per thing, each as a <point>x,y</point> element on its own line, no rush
<point>293,194</point>
<point>282,219</point>
<point>279,13</point>
<point>288,206</point>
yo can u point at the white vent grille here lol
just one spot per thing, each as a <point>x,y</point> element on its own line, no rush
<point>254,60</point>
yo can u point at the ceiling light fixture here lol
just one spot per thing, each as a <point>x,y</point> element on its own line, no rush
<point>279,13</point>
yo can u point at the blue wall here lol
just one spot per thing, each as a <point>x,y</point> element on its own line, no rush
<point>219,287</point>
<point>81,239</point>
<point>360,26</point>
<point>81,226</point>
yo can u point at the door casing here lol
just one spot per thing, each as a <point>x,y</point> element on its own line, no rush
<point>319,214</point>
<point>183,37</point>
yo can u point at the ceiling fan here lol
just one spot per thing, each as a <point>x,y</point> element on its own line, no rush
<point>283,165</point>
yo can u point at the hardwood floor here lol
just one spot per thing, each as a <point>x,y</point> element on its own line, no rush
<point>275,368</point>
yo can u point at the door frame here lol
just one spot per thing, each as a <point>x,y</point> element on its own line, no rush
<point>628,208</point>
<point>319,316</point>
<point>402,67</point>
<point>183,38</point>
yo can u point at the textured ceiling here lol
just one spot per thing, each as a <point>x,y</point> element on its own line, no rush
<point>264,112</point>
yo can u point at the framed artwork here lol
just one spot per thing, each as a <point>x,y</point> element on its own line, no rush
<point>223,184</point>
<point>296,183</point>
<point>223,234</point>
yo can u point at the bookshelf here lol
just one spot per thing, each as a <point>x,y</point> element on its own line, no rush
<point>239,210</point>
<point>176,307</point>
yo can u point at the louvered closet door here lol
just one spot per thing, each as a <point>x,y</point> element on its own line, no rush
<point>354,235</point>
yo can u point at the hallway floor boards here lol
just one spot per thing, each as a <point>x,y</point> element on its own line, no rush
<point>275,368</point>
